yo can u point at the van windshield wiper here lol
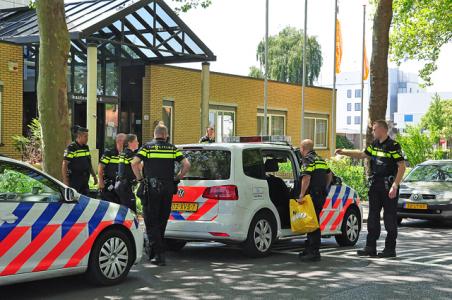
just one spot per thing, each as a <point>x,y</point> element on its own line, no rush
<point>194,177</point>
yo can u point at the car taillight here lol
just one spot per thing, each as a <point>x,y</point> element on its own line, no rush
<point>222,192</point>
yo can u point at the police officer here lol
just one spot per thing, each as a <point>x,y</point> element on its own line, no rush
<point>77,165</point>
<point>387,167</point>
<point>108,169</point>
<point>316,178</point>
<point>209,137</point>
<point>158,157</point>
<point>126,179</point>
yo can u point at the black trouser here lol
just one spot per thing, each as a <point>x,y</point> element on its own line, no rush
<point>108,193</point>
<point>124,189</point>
<point>156,213</point>
<point>80,183</point>
<point>378,199</point>
<point>318,199</point>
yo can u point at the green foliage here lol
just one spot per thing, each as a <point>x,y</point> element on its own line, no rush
<point>14,182</point>
<point>285,53</point>
<point>352,175</point>
<point>417,146</point>
<point>419,29</point>
<point>438,119</point>
<point>30,146</point>
<point>343,143</point>
<point>186,5</point>
<point>255,72</point>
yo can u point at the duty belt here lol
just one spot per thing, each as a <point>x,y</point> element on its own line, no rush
<point>388,180</point>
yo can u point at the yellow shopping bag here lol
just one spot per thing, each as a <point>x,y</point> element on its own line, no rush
<point>302,216</point>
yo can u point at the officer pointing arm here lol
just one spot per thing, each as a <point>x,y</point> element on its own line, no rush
<point>387,167</point>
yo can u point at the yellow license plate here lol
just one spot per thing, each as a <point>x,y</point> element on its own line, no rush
<point>182,206</point>
<point>416,206</point>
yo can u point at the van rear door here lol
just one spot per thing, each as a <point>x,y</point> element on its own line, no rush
<point>207,183</point>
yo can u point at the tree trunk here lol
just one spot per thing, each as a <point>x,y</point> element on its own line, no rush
<point>379,65</point>
<point>52,83</point>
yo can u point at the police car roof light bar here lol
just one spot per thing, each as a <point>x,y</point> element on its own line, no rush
<point>274,139</point>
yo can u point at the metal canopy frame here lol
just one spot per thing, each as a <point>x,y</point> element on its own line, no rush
<point>144,31</point>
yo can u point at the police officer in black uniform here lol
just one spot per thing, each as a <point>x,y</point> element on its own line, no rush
<point>315,181</point>
<point>209,137</point>
<point>108,170</point>
<point>77,167</point>
<point>126,179</point>
<point>158,157</point>
<point>387,167</point>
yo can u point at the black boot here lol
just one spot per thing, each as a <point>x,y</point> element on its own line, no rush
<point>367,251</point>
<point>310,257</point>
<point>387,253</point>
<point>159,260</point>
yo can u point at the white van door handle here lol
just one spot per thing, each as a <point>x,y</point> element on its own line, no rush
<point>9,218</point>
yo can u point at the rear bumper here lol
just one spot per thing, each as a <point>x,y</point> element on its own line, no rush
<point>434,212</point>
<point>231,229</point>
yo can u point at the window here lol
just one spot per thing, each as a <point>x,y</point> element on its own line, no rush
<point>316,129</point>
<point>358,93</point>
<point>208,164</point>
<point>168,117</point>
<point>253,164</point>
<point>280,167</point>
<point>19,183</point>
<point>408,118</point>
<point>357,106</point>
<point>349,120</point>
<point>222,119</point>
<point>357,120</point>
<point>349,93</point>
<point>276,124</point>
<point>349,107</point>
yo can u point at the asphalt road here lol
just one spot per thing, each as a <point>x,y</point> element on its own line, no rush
<point>422,270</point>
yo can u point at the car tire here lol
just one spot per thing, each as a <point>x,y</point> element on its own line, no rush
<point>111,258</point>
<point>399,221</point>
<point>174,245</point>
<point>261,235</point>
<point>350,229</point>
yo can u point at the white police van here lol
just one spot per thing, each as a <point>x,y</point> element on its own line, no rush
<point>239,193</point>
<point>49,230</point>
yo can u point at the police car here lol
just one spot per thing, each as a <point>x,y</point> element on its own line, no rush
<point>239,193</point>
<point>49,230</point>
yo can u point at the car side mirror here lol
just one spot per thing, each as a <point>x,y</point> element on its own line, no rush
<point>69,195</point>
<point>336,180</point>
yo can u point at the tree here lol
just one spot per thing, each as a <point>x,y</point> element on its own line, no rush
<point>438,119</point>
<point>52,83</point>
<point>420,29</point>
<point>256,72</point>
<point>343,142</point>
<point>285,53</point>
<point>379,64</point>
<point>416,145</point>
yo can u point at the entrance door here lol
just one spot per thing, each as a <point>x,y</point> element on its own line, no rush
<point>132,100</point>
<point>107,122</point>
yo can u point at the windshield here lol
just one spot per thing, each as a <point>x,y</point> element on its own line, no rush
<point>431,173</point>
<point>208,164</point>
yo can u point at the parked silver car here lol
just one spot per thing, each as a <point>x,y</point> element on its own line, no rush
<point>426,192</point>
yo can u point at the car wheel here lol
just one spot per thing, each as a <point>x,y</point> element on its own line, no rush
<point>174,244</point>
<point>399,221</point>
<point>111,258</point>
<point>351,227</point>
<point>261,235</point>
